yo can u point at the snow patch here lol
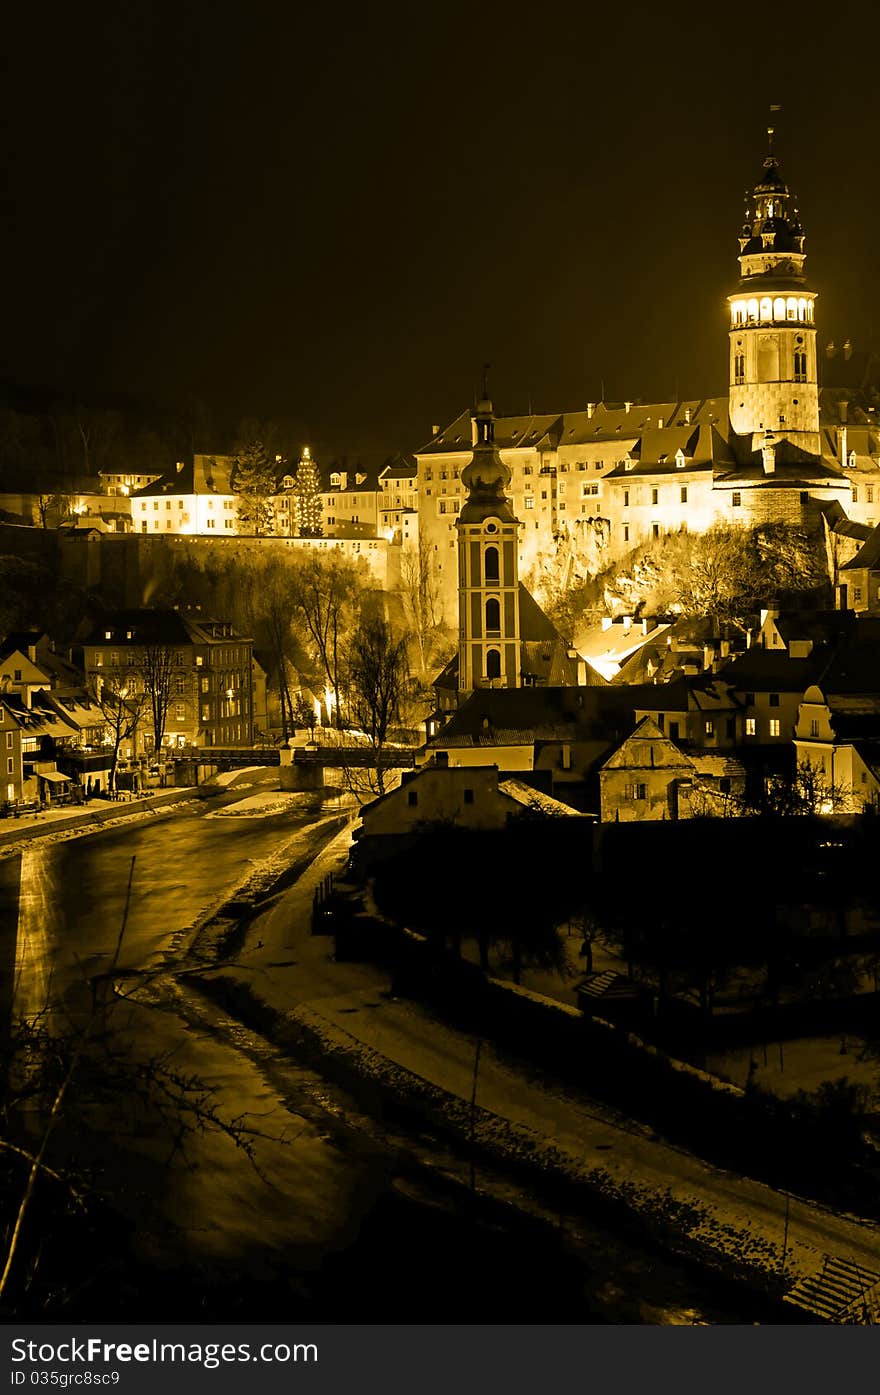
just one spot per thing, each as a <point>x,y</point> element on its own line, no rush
<point>263,806</point>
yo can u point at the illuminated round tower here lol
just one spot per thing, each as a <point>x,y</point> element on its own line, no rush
<point>773,385</point>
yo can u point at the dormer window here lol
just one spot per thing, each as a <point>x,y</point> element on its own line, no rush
<point>628,464</point>
<point>679,459</point>
<point>108,634</point>
<point>851,458</point>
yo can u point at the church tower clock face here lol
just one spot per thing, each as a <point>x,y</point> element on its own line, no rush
<point>773,377</point>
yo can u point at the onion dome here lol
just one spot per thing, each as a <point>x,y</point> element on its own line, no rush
<point>772,222</point>
<point>485,477</point>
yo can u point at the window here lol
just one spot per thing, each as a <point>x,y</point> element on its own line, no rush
<point>493,617</point>
<point>490,564</point>
<point>179,687</point>
<point>800,366</point>
<point>814,726</point>
<point>10,767</point>
<point>751,726</point>
<point>684,494</point>
<point>180,712</point>
<point>9,740</point>
<point>774,726</point>
<point>855,495</point>
<point>673,731</point>
<point>412,798</point>
<point>206,712</point>
<point>655,496</point>
<point>869,494</point>
<point>16,674</point>
<point>857,593</point>
<point>774,699</point>
<point>655,530</point>
<point>736,499</point>
<point>626,498</point>
<point>493,663</point>
<point>739,368</point>
<point>468,796</point>
<point>638,791</point>
<point>709,727</point>
<point>626,532</point>
<point>750,699</point>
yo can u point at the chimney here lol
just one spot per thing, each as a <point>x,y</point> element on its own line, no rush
<point>847,348</point>
<point>627,623</point>
<point>627,406</point>
<point>435,430</point>
<point>768,455</point>
<point>687,415</point>
<point>607,622</point>
<point>591,407</point>
<point>841,444</point>
<point>661,423</point>
<point>830,349</point>
<point>179,467</point>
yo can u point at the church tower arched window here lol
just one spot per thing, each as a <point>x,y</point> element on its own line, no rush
<point>490,564</point>
<point>493,616</point>
<point>493,663</point>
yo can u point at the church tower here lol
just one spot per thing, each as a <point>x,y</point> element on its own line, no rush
<point>773,385</point>
<point>488,567</point>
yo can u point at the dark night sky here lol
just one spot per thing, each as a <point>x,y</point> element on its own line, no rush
<point>337,212</point>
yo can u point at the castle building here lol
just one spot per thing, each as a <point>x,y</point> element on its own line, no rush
<point>592,484</point>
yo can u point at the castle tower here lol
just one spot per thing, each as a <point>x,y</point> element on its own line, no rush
<point>488,567</point>
<point>773,383</point>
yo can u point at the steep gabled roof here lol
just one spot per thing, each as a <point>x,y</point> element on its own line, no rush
<point>647,748</point>
<point>510,432</point>
<point>868,554</point>
<point>771,670</point>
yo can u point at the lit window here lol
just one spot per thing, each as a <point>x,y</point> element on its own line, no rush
<point>779,308</point>
<point>751,726</point>
<point>774,726</point>
<point>710,727</point>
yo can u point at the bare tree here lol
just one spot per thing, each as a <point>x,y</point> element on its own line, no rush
<point>122,702</point>
<point>420,593</point>
<point>378,670</point>
<point>49,503</point>
<point>158,670</point>
<point>276,607</point>
<point>325,590</point>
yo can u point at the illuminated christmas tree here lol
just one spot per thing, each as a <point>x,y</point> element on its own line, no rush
<point>308,497</point>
